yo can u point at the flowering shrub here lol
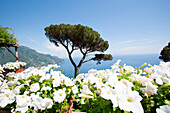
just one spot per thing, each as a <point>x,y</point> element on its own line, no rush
<point>13,66</point>
<point>120,89</point>
<point>36,91</point>
<point>125,89</point>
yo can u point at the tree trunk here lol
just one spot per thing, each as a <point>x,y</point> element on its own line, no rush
<point>79,65</point>
<point>76,71</point>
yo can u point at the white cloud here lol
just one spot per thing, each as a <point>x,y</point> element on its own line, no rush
<point>32,40</point>
<point>56,51</point>
<point>141,46</point>
<point>133,42</point>
<point>145,49</point>
<point>126,42</point>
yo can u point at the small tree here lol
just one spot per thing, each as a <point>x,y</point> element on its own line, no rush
<point>165,53</point>
<point>78,37</point>
<point>7,35</point>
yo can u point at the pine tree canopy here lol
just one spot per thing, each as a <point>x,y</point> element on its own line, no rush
<point>78,37</point>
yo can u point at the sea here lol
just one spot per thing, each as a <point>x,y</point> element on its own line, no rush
<point>131,60</point>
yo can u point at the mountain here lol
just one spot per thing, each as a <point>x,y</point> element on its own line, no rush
<point>30,56</point>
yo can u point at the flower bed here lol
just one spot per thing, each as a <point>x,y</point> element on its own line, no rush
<point>16,67</point>
<point>120,89</point>
<point>13,66</point>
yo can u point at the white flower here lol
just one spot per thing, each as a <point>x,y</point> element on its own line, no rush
<point>59,95</point>
<point>131,102</point>
<point>112,80</point>
<point>159,81</point>
<point>75,89</point>
<point>148,70</point>
<point>68,82</point>
<point>35,101</point>
<point>121,88</point>
<point>127,83</point>
<point>94,79</point>
<point>34,87</point>
<point>7,97</point>
<point>85,93</point>
<point>46,103</point>
<point>107,92</point>
<point>10,83</point>
<point>150,89</point>
<point>46,88</point>
<point>129,69</point>
<point>163,109</point>
<point>56,82</point>
<point>86,90</point>
<point>85,81</point>
<point>115,67</point>
<point>141,79</point>
<point>34,71</point>
<point>55,74</point>
<point>23,101</point>
<point>79,77</point>
<point>16,90</point>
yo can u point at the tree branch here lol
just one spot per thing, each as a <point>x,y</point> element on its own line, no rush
<point>11,52</point>
<point>81,61</point>
<point>69,54</point>
<point>88,60</point>
<point>82,51</point>
<point>72,49</point>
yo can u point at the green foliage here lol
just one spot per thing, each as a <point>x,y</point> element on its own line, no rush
<point>104,57</point>
<point>5,36</point>
<point>165,53</point>
<point>97,105</point>
<point>80,36</point>
<point>30,56</point>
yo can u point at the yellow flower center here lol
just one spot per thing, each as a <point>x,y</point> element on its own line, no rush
<point>108,92</point>
<point>85,82</point>
<point>23,96</point>
<point>139,81</point>
<point>99,75</point>
<point>100,80</point>
<point>129,100</point>
<point>60,94</point>
<point>7,95</point>
<point>125,83</point>
<point>127,72</point>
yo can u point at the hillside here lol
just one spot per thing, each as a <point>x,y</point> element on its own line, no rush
<point>30,56</point>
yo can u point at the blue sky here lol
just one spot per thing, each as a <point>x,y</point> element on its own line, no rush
<point>130,26</point>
